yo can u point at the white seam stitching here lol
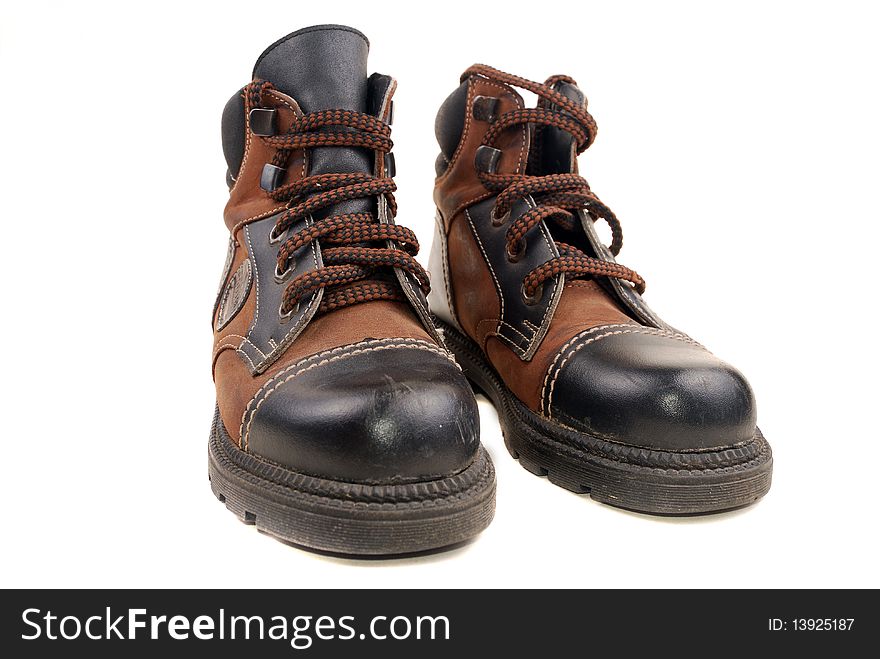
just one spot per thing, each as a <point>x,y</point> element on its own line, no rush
<point>645,330</point>
<point>347,351</point>
<point>321,354</point>
<point>471,93</point>
<point>225,297</point>
<point>544,234</point>
<point>518,102</point>
<point>509,341</point>
<point>227,265</point>
<point>274,94</point>
<point>565,347</point>
<point>259,216</point>
<point>299,324</point>
<point>439,243</point>
<point>305,312</point>
<point>634,301</point>
<point>444,259</point>
<point>243,340</point>
<point>247,143</point>
<point>253,257</point>
<point>467,214</point>
<point>220,348</point>
<point>506,324</point>
<point>246,356</point>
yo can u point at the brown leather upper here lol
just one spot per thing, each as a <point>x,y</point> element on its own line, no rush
<point>584,304</point>
<point>247,203</point>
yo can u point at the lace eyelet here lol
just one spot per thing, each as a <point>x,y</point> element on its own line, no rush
<point>275,238</point>
<point>532,300</point>
<point>285,316</point>
<point>485,108</point>
<point>281,277</point>
<point>497,220</point>
<point>262,121</point>
<point>518,253</point>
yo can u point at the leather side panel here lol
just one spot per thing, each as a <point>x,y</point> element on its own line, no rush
<point>440,297</point>
<point>475,294</point>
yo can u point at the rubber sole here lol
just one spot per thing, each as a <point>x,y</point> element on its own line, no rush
<point>653,482</point>
<point>350,518</point>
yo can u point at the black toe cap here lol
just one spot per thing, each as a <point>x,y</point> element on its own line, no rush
<point>651,389</point>
<point>387,412</point>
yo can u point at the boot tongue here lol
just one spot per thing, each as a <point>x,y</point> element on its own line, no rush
<point>323,68</point>
<point>557,145</point>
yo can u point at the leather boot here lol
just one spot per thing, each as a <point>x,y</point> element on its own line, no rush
<point>342,422</point>
<point>593,389</point>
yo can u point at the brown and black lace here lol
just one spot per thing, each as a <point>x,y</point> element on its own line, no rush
<point>352,260</point>
<point>557,196</point>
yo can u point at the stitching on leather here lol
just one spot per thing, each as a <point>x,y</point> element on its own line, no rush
<point>642,330</point>
<point>547,316</point>
<point>217,352</point>
<point>506,324</point>
<point>253,258</point>
<point>565,347</point>
<point>246,356</point>
<point>467,123</point>
<point>497,322</point>
<point>444,258</point>
<point>520,163</point>
<point>274,94</point>
<point>259,216</point>
<point>506,339</point>
<point>488,264</point>
<point>295,330</point>
<point>640,305</point>
<point>471,202</point>
<point>341,353</point>
<point>244,340</point>
<point>488,321</point>
<point>629,297</point>
<point>247,145</point>
<point>520,104</point>
<point>464,133</point>
<point>224,299</point>
<point>236,336</point>
<point>227,270</point>
<point>414,298</point>
<point>304,317</point>
<point>221,347</point>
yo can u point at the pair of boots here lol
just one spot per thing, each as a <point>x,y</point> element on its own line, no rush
<point>345,421</point>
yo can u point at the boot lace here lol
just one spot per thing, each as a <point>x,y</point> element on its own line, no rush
<point>355,248</point>
<point>557,196</point>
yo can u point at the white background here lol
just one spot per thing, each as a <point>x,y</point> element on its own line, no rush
<point>739,145</point>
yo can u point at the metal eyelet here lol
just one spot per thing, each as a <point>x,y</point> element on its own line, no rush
<point>270,177</point>
<point>262,121</point>
<point>486,159</point>
<point>275,238</point>
<point>281,277</point>
<point>485,108</point>
<point>514,256</point>
<point>286,316</point>
<point>532,299</point>
<point>497,220</point>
